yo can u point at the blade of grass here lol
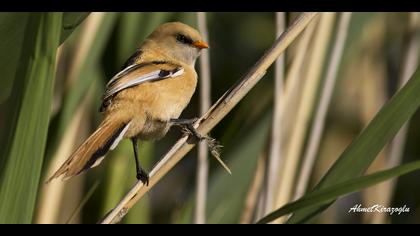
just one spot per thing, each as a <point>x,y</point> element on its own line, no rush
<point>50,196</point>
<point>227,193</point>
<point>71,20</point>
<point>292,94</point>
<point>375,93</point>
<point>12,29</point>
<point>94,32</point>
<point>363,150</point>
<point>133,29</point>
<point>242,156</point>
<point>334,191</point>
<point>127,34</point>
<point>23,154</point>
<point>409,66</point>
<point>321,112</point>
<point>294,82</point>
<point>207,122</point>
<point>142,212</point>
<point>251,200</point>
<point>313,75</point>
<point>94,35</point>
<point>205,102</point>
<point>83,202</point>
<point>276,141</point>
<point>396,151</point>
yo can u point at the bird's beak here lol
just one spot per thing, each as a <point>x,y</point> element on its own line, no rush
<point>200,44</point>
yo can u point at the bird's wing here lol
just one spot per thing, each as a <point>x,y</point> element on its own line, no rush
<point>132,59</point>
<point>136,74</point>
<point>140,73</point>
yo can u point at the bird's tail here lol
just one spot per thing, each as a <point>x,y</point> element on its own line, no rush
<point>94,149</point>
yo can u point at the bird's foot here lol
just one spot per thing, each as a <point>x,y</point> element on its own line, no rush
<point>187,127</point>
<point>143,176</point>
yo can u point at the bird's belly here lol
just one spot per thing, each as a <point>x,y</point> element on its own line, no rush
<point>157,121</point>
<point>171,98</point>
<point>154,104</point>
<point>153,129</point>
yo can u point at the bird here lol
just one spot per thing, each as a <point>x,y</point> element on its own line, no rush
<point>144,99</point>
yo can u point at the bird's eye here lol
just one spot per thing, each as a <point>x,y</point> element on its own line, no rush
<point>183,39</point>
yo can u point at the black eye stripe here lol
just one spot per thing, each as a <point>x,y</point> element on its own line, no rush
<point>184,39</point>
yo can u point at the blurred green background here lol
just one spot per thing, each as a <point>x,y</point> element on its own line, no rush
<point>93,47</point>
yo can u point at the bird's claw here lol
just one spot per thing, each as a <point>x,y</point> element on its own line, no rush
<point>143,176</point>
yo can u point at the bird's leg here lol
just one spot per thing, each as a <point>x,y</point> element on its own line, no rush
<point>188,128</point>
<point>141,174</point>
<point>187,125</point>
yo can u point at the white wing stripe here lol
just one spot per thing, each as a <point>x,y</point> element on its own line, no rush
<point>120,136</point>
<point>98,161</point>
<point>138,80</point>
<point>155,75</point>
<point>113,146</point>
<point>178,73</point>
<point>117,76</point>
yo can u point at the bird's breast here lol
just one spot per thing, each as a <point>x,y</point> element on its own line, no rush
<point>151,105</point>
<point>171,96</point>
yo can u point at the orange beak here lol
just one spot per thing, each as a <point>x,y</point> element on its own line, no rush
<point>200,44</point>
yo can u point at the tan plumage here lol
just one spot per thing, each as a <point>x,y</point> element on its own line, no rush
<point>155,86</point>
<point>77,162</point>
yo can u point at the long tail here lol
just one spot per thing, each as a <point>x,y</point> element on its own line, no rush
<point>93,150</point>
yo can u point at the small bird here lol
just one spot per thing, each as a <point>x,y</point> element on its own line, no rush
<point>145,98</point>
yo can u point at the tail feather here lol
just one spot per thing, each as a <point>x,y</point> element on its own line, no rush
<point>93,150</point>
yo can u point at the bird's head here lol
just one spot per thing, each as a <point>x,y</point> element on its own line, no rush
<point>179,41</point>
